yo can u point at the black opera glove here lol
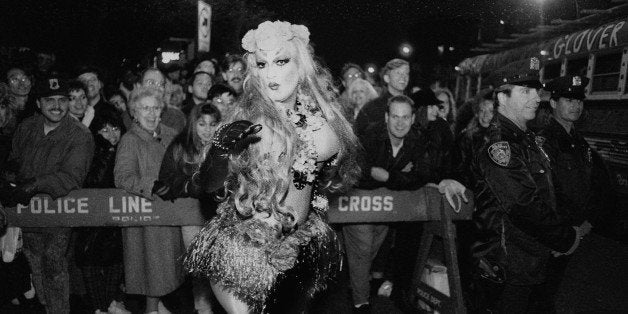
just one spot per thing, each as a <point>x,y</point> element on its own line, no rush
<point>229,139</point>
<point>235,137</point>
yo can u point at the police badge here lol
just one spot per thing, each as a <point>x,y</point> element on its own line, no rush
<point>500,153</point>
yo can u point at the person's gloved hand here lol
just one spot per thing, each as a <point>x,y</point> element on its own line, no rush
<point>586,227</point>
<point>229,139</point>
<point>162,190</point>
<point>24,192</point>
<point>235,137</point>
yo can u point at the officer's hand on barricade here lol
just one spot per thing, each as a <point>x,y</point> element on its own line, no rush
<point>24,192</point>
<point>453,188</point>
<point>586,227</point>
<point>580,233</point>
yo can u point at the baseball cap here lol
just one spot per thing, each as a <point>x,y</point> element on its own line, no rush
<point>51,86</point>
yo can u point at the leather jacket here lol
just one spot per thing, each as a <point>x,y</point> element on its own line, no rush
<point>583,187</point>
<point>515,199</point>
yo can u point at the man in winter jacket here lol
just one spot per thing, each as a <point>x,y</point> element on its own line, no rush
<point>51,153</point>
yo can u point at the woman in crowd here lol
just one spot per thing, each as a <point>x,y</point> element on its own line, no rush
<point>20,87</point>
<point>447,111</point>
<point>119,101</point>
<point>269,243</point>
<point>360,91</point>
<point>436,130</point>
<point>171,116</point>
<point>151,254</point>
<point>183,158</point>
<point>98,250</point>
<point>473,137</point>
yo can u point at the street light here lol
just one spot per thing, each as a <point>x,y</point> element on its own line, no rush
<point>405,50</point>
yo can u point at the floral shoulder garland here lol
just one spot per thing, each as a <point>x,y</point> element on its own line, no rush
<point>307,118</point>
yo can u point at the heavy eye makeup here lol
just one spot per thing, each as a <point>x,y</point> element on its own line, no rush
<point>279,61</point>
<point>282,61</point>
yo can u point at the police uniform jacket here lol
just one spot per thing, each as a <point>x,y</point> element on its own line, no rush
<point>515,199</point>
<point>581,178</point>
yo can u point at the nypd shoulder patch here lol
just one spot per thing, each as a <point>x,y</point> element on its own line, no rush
<point>500,153</point>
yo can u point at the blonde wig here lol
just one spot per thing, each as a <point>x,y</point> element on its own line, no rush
<point>259,181</point>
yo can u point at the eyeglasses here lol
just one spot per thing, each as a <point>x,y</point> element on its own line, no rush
<point>221,101</point>
<point>234,69</point>
<point>62,101</point>
<point>20,79</point>
<point>154,83</point>
<point>147,109</point>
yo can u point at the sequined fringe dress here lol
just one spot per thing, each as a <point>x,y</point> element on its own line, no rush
<point>247,259</point>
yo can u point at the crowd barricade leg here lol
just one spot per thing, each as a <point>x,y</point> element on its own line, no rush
<point>439,301</point>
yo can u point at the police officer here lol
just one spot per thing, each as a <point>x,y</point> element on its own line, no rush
<point>515,190</point>
<point>581,181</point>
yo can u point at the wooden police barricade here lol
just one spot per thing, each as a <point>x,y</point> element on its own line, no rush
<point>425,204</point>
<point>104,207</point>
<point>114,207</point>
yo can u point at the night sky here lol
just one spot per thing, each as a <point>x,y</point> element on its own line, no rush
<point>105,31</point>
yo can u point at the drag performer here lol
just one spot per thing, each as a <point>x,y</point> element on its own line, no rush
<point>288,146</point>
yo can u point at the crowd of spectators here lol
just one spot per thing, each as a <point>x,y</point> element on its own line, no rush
<point>63,129</point>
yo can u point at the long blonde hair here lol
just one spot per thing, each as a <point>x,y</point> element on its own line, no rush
<point>259,182</point>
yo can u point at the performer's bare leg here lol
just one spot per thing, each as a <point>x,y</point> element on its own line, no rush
<point>228,301</point>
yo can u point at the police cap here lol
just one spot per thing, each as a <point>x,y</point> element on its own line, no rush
<point>567,86</point>
<point>523,73</point>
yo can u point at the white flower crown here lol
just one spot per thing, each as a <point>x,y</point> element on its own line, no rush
<point>269,35</point>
